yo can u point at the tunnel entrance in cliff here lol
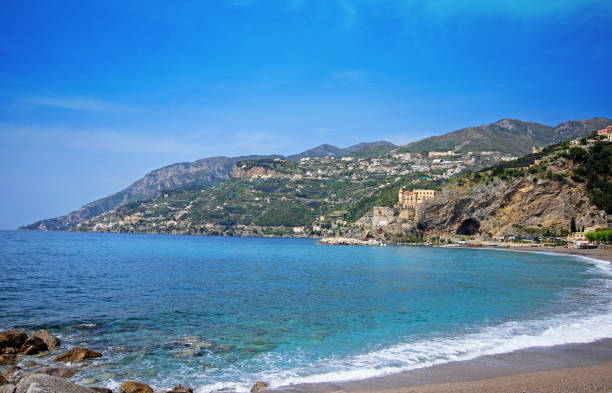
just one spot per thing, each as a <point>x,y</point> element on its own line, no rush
<point>468,227</point>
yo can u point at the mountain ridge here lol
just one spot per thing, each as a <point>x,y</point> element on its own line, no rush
<point>506,135</point>
<point>510,136</point>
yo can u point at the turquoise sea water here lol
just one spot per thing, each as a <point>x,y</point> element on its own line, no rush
<point>216,313</point>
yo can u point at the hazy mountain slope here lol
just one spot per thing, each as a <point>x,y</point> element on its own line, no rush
<point>204,172</point>
<point>508,136</point>
<point>365,148</point>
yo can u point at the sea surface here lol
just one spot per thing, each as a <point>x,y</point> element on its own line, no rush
<point>221,313</point>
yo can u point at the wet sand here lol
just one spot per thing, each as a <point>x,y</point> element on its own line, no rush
<point>597,253</point>
<point>563,368</point>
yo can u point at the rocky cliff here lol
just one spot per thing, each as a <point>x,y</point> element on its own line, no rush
<point>510,207</point>
<point>256,172</point>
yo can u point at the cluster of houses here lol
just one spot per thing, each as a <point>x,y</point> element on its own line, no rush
<point>402,215</point>
<point>438,164</point>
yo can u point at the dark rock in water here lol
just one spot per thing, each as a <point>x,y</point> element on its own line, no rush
<point>8,359</point>
<point>3,380</point>
<point>31,364</point>
<point>10,350</point>
<point>49,339</point>
<point>258,386</point>
<point>8,388</point>
<point>77,354</point>
<point>38,383</point>
<point>180,389</point>
<point>102,390</point>
<point>62,372</point>
<point>12,338</point>
<point>135,387</point>
<point>222,348</point>
<point>33,345</point>
<point>9,374</point>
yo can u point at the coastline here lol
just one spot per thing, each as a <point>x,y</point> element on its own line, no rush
<point>581,367</point>
<point>584,367</point>
<point>604,254</point>
<point>494,372</point>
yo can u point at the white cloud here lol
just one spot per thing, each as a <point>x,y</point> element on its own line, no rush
<point>75,103</point>
<point>185,147</point>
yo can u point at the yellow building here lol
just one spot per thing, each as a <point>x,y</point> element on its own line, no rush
<point>409,199</point>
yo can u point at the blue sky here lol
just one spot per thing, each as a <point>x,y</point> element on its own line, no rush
<point>95,94</point>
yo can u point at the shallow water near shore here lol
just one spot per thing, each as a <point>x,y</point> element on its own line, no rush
<point>217,313</point>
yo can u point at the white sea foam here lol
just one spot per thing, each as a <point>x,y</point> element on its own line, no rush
<point>582,326</point>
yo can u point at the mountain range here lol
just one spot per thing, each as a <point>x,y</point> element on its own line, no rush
<point>510,136</point>
<point>507,136</point>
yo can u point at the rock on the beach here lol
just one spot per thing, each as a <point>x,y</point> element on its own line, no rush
<point>12,338</point>
<point>9,374</point>
<point>135,387</point>
<point>62,372</point>
<point>49,339</point>
<point>33,345</point>
<point>101,390</point>
<point>181,389</point>
<point>258,386</point>
<point>8,359</point>
<point>7,388</point>
<point>49,384</point>
<point>77,354</point>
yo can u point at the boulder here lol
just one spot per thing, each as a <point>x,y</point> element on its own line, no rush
<point>181,389</point>
<point>62,372</point>
<point>49,339</point>
<point>36,388</point>
<point>49,384</point>
<point>102,390</point>
<point>33,345</point>
<point>135,387</point>
<point>77,354</point>
<point>258,386</point>
<point>12,338</point>
<point>8,388</point>
<point>8,359</point>
<point>9,374</point>
<point>10,350</point>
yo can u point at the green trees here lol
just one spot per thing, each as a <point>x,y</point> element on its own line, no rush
<point>600,236</point>
<point>596,170</point>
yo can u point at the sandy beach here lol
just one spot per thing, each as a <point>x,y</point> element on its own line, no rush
<point>564,368</point>
<point>569,380</point>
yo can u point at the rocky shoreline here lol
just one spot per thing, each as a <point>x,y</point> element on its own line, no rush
<point>17,347</point>
<point>347,241</point>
